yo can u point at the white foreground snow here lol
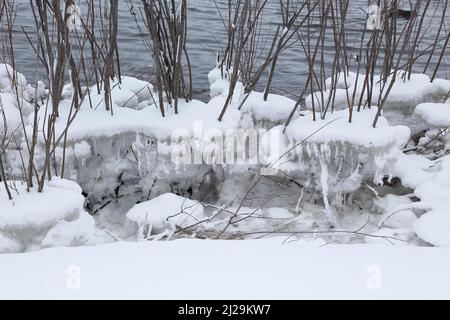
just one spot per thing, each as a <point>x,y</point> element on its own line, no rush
<point>195,269</point>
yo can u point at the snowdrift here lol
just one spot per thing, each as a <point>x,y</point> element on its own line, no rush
<point>55,217</point>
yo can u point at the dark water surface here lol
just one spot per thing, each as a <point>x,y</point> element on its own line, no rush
<point>206,36</point>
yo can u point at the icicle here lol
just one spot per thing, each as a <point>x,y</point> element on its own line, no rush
<point>299,202</point>
<point>308,150</point>
<point>324,185</point>
<point>315,150</point>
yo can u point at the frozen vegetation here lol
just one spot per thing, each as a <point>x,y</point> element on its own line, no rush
<point>346,170</point>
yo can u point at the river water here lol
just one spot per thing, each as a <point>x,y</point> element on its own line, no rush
<point>207,36</point>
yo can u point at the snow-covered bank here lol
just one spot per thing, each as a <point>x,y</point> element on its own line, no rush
<point>195,269</point>
<point>333,173</point>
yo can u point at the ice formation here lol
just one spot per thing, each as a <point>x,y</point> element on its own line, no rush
<point>334,156</point>
<point>127,157</point>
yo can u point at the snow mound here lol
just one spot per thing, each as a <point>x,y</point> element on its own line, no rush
<point>15,98</point>
<point>434,226</point>
<point>38,210</point>
<point>412,169</point>
<point>276,109</point>
<point>165,213</point>
<point>10,113</point>
<point>435,114</point>
<point>33,220</point>
<point>79,232</point>
<point>219,81</point>
<point>14,82</point>
<point>128,92</point>
<point>142,89</point>
<point>431,183</point>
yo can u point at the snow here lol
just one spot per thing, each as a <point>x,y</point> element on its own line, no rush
<point>278,213</point>
<point>435,114</point>
<point>405,93</point>
<point>15,83</point>
<point>401,219</point>
<point>339,95</point>
<point>57,182</point>
<point>431,183</point>
<point>97,122</point>
<point>335,127</point>
<point>277,108</point>
<point>8,111</point>
<point>142,89</point>
<point>412,169</point>
<point>434,226</point>
<point>7,73</point>
<point>79,232</point>
<point>55,217</point>
<point>128,92</point>
<point>166,212</point>
<point>227,270</point>
<point>219,81</point>
<point>82,149</point>
<point>8,245</point>
<point>34,209</point>
<point>402,237</point>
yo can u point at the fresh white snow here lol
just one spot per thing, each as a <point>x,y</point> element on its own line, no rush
<point>254,269</point>
<point>435,114</point>
<point>165,212</point>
